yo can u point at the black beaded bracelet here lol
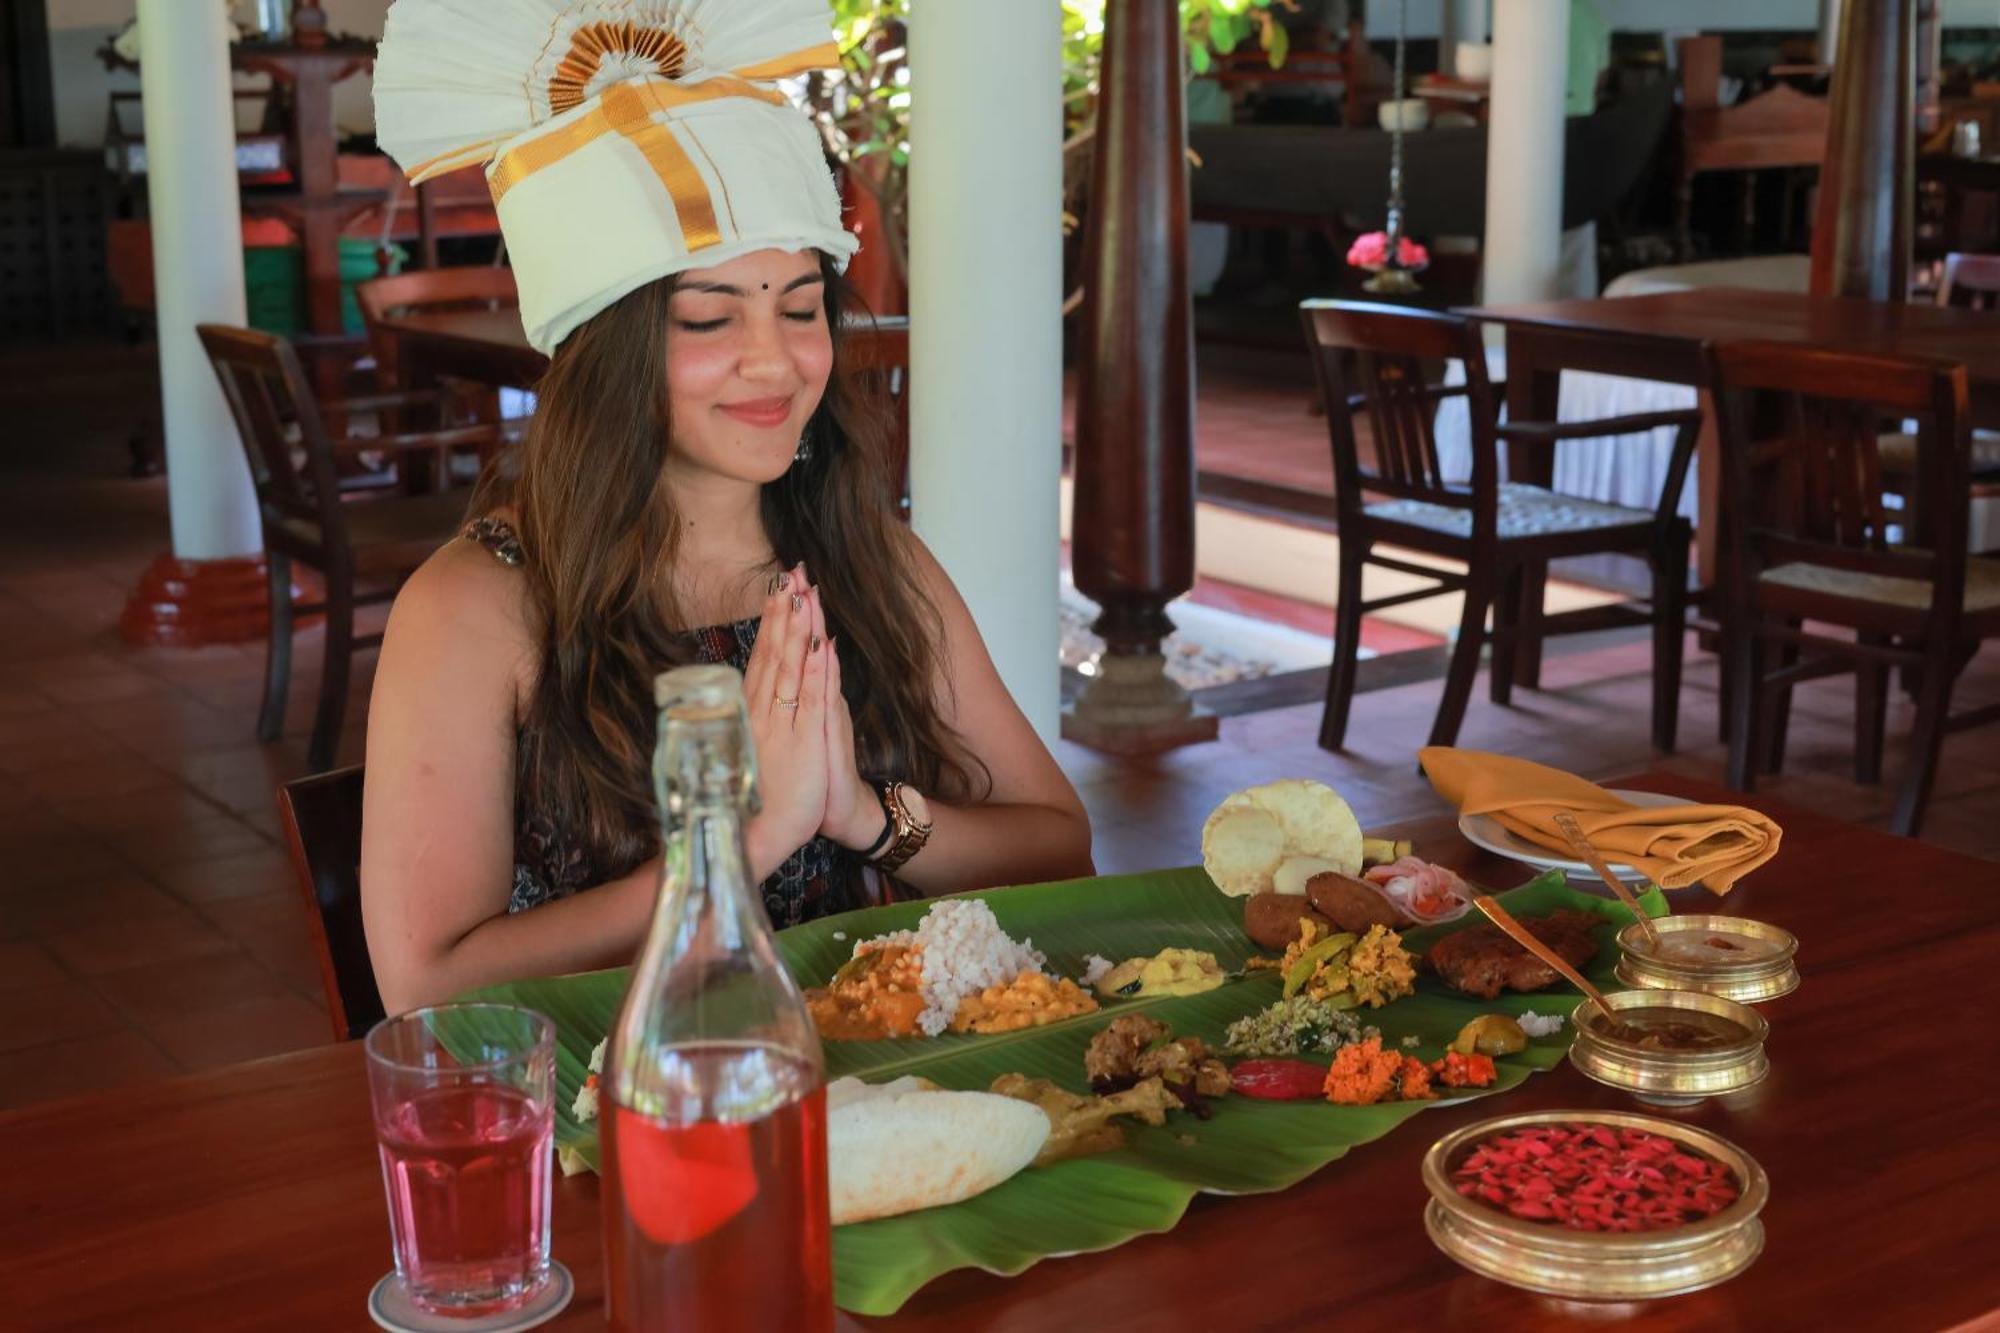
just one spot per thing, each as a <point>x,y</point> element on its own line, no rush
<point>888,830</point>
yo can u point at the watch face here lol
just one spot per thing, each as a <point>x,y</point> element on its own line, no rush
<point>914,802</point>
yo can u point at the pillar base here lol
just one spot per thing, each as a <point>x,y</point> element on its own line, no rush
<point>195,603</point>
<point>1131,707</point>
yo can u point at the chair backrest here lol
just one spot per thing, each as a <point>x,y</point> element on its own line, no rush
<point>322,817</point>
<point>1971,281</point>
<point>1803,472</point>
<point>1373,356</point>
<point>879,349</point>
<point>471,287</point>
<point>284,438</point>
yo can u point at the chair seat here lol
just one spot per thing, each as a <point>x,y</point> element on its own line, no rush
<point>392,535</point>
<point>1898,452</point>
<point>1525,511</point>
<point>1982,584</point>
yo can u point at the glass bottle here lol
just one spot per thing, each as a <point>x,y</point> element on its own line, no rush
<point>714,1129</point>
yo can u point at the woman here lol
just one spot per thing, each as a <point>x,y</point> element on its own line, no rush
<point>699,459</point>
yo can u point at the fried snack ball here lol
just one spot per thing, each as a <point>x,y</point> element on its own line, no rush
<point>1271,920</point>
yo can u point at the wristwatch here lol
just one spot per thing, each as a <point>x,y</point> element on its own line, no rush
<point>909,826</point>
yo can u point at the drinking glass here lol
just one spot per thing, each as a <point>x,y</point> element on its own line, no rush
<point>464,1117</point>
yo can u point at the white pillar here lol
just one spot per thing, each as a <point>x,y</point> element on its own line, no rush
<point>1829,31</point>
<point>197,268</point>
<point>986,323</point>
<point>1524,151</point>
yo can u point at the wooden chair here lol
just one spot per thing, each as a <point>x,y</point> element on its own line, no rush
<point>322,817</point>
<point>1970,282</point>
<point>472,287</point>
<point>1370,357</point>
<point>880,348</point>
<point>1807,537</point>
<point>362,548</point>
<point>475,287</point>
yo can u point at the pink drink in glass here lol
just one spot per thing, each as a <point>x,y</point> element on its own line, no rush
<point>467,1171</point>
<point>464,1115</point>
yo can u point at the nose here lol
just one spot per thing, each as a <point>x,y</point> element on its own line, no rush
<point>766,357</point>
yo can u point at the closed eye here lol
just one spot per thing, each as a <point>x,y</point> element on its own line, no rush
<point>804,316</point>
<point>702,325</point>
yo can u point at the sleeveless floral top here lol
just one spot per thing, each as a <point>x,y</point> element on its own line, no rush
<point>818,879</point>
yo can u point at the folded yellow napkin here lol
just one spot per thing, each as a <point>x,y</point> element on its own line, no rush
<point>1675,845</point>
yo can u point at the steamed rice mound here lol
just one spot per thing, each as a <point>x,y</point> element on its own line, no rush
<point>969,975</point>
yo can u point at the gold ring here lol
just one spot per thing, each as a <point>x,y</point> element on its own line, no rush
<point>783,702</point>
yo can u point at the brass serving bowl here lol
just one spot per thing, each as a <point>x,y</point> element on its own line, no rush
<point>1751,982</point>
<point>1595,1266</point>
<point>1670,1078</point>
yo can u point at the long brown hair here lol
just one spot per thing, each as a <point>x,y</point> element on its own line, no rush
<point>599,533</point>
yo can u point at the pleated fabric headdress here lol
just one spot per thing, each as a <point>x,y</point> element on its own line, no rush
<point>625,140</point>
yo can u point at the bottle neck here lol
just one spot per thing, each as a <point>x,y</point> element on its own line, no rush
<point>704,782</point>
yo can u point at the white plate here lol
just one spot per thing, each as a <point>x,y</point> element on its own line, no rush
<point>1488,832</point>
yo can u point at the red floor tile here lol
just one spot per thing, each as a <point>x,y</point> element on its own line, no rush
<point>60,1011</point>
<point>246,1030</point>
<point>114,945</point>
<point>174,988</point>
<point>262,872</point>
<point>71,1068</point>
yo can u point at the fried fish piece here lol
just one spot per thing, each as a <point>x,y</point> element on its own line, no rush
<point>1483,961</point>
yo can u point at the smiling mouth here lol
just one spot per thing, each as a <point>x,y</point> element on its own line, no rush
<point>760,411</point>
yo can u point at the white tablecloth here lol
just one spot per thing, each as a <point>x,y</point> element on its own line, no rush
<point>1631,469</point>
<point>1628,470</point>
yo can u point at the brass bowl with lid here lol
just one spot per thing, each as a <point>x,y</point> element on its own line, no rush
<point>1668,1077</point>
<point>1595,1266</point>
<point>1769,970</point>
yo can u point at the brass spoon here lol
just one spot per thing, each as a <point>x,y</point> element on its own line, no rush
<point>1572,830</point>
<point>1524,937</point>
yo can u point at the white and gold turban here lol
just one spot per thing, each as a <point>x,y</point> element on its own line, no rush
<point>625,140</point>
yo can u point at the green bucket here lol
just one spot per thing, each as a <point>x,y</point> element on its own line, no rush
<point>358,264</point>
<point>274,289</point>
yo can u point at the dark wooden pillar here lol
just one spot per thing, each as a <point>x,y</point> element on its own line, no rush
<point>1132,534</point>
<point>1862,230</point>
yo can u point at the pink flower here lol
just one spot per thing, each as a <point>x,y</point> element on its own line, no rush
<point>1371,251</point>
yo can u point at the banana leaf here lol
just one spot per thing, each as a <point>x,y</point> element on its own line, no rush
<point>1097,1202</point>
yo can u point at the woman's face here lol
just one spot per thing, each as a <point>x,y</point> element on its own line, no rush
<point>748,353</point>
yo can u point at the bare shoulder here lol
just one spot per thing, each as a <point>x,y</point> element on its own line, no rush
<point>466,607</point>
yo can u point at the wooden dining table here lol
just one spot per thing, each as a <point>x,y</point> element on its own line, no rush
<point>484,346</point>
<point>1660,336</point>
<point>251,1198</point>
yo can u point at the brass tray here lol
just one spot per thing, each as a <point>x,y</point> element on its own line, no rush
<point>1747,983</point>
<point>1595,1266</point>
<point>1670,1078</point>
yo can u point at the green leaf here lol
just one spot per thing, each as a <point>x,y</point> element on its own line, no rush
<point>1098,1202</point>
<point>1198,57</point>
<point>1277,44</point>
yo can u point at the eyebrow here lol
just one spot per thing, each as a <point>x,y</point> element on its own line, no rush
<point>726,289</point>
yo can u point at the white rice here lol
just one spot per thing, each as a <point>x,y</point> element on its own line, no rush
<point>1536,1025</point>
<point>965,951</point>
<point>840,935</point>
<point>585,1106</point>
<point>1094,966</point>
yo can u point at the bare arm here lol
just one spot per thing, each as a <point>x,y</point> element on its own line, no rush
<point>1031,826</point>
<point>437,844</point>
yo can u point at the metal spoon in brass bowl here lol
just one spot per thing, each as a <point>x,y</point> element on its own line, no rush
<point>1572,830</point>
<point>1526,938</point>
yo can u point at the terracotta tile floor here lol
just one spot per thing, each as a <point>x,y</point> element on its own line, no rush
<point>148,921</point>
